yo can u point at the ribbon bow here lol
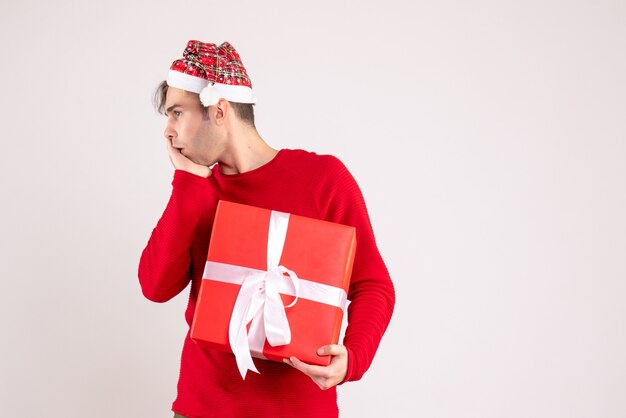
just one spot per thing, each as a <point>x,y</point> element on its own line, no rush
<point>259,301</point>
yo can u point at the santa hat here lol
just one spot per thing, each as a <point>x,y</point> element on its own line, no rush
<point>212,71</point>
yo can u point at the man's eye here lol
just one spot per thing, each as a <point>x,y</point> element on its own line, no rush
<point>177,113</point>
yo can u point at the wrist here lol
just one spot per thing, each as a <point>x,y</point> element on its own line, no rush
<point>198,170</point>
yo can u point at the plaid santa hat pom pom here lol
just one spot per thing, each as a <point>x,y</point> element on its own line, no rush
<point>213,72</point>
<point>209,95</point>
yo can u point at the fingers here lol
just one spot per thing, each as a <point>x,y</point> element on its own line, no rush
<point>321,376</point>
<point>325,377</point>
<point>308,369</point>
<point>332,350</point>
<point>181,162</point>
<point>168,143</point>
<point>173,153</point>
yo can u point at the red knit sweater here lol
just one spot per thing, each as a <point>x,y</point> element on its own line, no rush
<point>298,182</point>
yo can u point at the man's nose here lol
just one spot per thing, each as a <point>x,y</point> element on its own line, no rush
<point>169,133</point>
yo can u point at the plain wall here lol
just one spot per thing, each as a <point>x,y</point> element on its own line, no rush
<point>489,140</point>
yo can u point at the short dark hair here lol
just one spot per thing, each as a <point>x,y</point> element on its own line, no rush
<point>244,111</point>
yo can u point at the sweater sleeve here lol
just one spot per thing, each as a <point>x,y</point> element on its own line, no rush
<point>371,292</point>
<point>164,267</point>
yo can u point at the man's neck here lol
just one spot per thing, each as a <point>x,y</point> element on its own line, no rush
<point>247,151</point>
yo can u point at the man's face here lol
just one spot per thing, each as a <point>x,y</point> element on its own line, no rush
<point>189,129</point>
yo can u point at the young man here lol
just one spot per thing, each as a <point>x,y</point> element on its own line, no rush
<point>208,99</point>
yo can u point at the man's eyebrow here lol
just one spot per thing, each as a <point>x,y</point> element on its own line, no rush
<point>169,109</point>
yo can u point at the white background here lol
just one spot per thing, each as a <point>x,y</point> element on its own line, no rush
<point>488,137</point>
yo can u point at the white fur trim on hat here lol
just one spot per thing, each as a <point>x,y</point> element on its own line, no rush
<point>184,81</point>
<point>238,94</point>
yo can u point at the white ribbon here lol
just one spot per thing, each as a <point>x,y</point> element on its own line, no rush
<point>259,297</point>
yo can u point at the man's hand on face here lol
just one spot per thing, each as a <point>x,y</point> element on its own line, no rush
<point>181,162</point>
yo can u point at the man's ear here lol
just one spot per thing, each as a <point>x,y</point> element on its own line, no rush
<point>222,109</point>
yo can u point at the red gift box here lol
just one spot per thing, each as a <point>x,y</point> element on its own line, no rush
<point>258,261</point>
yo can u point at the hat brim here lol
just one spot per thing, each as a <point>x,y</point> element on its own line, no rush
<point>238,94</point>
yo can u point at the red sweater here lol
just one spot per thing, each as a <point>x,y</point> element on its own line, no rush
<point>298,182</point>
